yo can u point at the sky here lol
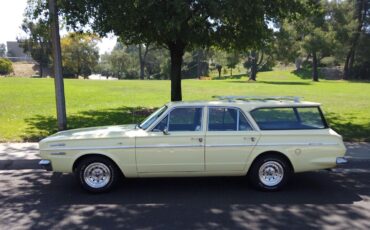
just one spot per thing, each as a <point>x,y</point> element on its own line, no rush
<point>11,17</point>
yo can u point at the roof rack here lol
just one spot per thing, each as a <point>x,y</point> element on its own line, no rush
<point>260,98</point>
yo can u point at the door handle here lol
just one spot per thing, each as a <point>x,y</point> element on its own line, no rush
<point>252,138</point>
<point>197,138</point>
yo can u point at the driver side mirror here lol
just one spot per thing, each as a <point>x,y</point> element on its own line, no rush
<point>165,131</point>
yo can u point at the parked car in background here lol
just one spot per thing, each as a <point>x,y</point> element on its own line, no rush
<point>266,139</point>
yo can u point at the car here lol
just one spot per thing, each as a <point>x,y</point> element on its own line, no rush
<point>265,139</point>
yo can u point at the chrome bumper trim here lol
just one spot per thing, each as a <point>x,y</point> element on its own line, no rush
<point>341,160</point>
<point>46,164</point>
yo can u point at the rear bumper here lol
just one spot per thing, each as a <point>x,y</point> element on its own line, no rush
<point>341,160</point>
<point>46,164</point>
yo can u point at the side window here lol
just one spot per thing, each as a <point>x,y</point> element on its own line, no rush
<point>185,119</point>
<point>226,119</point>
<point>243,123</point>
<point>311,118</point>
<point>288,118</point>
<point>181,119</point>
<point>161,125</point>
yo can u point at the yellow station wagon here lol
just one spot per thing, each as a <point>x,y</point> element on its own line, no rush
<point>264,138</point>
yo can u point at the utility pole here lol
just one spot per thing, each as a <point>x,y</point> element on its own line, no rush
<point>57,66</point>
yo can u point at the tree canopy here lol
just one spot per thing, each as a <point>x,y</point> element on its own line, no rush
<point>180,24</point>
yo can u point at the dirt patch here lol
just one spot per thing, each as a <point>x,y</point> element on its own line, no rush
<point>23,69</point>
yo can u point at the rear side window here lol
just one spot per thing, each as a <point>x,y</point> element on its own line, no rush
<point>227,119</point>
<point>289,118</point>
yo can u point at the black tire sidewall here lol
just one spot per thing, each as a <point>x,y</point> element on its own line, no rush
<point>85,163</point>
<point>254,173</point>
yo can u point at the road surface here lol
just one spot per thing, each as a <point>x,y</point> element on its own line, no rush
<point>31,198</point>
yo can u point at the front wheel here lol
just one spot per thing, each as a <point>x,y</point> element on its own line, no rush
<point>97,174</point>
<point>269,173</point>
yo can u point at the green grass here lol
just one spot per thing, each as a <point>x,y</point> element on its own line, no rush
<point>27,106</point>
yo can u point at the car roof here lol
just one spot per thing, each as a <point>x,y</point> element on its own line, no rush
<point>245,104</point>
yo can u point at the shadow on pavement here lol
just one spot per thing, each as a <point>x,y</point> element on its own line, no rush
<point>42,200</point>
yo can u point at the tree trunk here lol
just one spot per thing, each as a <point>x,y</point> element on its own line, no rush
<point>231,72</point>
<point>142,59</point>
<point>177,50</point>
<point>348,64</point>
<point>315,73</point>
<point>57,66</point>
<point>40,70</point>
<point>298,63</point>
<point>141,63</point>
<point>253,76</point>
<point>219,72</point>
<point>199,53</point>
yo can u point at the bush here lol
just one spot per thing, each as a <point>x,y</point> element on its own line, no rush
<point>6,66</point>
<point>329,62</point>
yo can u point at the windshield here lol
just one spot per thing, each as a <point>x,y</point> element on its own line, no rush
<point>153,117</point>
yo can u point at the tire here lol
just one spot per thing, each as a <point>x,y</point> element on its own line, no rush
<point>260,173</point>
<point>97,174</point>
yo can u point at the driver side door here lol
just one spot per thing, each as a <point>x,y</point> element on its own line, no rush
<point>175,144</point>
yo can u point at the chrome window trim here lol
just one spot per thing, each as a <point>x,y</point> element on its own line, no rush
<point>238,116</point>
<point>150,129</point>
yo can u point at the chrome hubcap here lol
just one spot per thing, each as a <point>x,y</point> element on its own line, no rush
<point>271,173</point>
<point>97,175</point>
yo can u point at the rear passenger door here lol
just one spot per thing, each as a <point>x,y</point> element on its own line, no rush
<point>230,139</point>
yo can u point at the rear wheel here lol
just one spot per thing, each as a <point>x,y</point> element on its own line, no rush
<point>97,174</point>
<point>270,173</point>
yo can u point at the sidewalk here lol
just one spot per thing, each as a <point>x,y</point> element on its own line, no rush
<point>29,151</point>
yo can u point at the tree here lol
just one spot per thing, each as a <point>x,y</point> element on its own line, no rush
<point>80,54</point>
<point>232,59</point>
<point>255,61</point>
<point>286,45</point>
<point>2,50</point>
<point>361,14</point>
<point>180,24</point>
<point>38,43</point>
<point>313,34</point>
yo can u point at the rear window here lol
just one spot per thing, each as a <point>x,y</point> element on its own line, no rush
<point>289,118</point>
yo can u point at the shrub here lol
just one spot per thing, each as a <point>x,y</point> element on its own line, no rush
<point>329,61</point>
<point>6,66</point>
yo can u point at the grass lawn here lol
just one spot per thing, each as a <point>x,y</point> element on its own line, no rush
<point>27,106</point>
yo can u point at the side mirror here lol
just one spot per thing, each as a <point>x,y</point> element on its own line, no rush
<point>165,131</point>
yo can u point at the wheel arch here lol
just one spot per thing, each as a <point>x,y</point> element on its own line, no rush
<point>272,153</point>
<point>87,155</point>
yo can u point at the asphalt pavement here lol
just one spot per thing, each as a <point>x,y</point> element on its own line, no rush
<point>31,198</point>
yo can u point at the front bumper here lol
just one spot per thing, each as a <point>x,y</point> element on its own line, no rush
<point>341,161</point>
<point>46,164</point>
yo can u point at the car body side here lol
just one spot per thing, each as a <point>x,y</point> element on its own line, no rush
<point>306,150</point>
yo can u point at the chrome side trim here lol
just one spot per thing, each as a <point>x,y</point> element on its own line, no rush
<point>299,144</point>
<point>57,145</point>
<point>169,146</point>
<point>124,147</point>
<point>89,148</point>
<point>58,153</point>
<point>229,145</point>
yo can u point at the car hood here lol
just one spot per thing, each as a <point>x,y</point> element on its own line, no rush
<point>93,133</point>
